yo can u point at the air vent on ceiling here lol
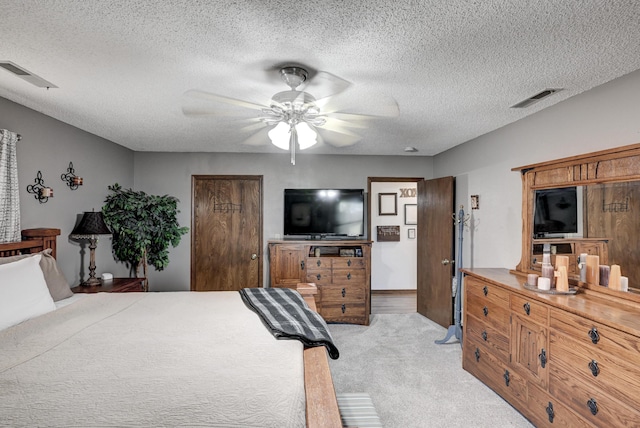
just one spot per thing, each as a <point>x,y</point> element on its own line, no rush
<point>26,75</point>
<point>535,98</point>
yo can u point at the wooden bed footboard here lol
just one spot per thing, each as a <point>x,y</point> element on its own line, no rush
<point>33,241</point>
<point>322,406</point>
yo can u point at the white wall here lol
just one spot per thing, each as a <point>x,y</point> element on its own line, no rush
<point>393,264</point>
<point>48,145</point>
<point>170,173</point>
<point>604,117</point>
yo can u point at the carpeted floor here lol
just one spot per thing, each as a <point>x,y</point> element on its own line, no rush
<point>412,381</point>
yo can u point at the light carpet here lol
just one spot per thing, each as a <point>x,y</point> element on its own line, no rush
<point>412,381</point>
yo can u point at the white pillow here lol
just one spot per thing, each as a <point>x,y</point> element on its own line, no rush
<point>23,292</point>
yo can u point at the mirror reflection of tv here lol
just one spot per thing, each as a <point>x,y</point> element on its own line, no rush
<point>556,212</point>
<point>320,213</point>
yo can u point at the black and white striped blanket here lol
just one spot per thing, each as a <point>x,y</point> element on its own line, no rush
<point>287,316</point>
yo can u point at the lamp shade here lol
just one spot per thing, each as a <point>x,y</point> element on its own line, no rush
<point>91,224</point>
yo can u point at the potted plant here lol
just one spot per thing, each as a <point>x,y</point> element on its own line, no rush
<point>143,227</point>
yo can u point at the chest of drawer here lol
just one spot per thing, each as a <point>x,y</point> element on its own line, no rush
<point>545,410</point>
<point>348,263</point>
<point>319,276</point>
<point>488,336</point>
<point>592,404</point>
<point>486,292</point>
<point>342,294</point>
<point>494,315</point>
<point>596,336</point>
<point>349,276</point>
<point>319,262</point>
<point>530,309</point>
<point>602,371</point>
<point>343,312</point>
<point>485,366</point>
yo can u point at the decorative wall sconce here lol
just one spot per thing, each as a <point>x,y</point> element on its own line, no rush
<point>41,192</point>
<point>71,179</point>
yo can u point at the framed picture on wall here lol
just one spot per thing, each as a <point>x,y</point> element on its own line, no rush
<point>387,204</point>
<point>411,214</point>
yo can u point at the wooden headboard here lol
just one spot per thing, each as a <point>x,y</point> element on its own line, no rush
<point>33,241</point>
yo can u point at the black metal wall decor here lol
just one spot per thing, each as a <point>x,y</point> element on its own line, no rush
<point>41,192</point>
<point>71,179</point>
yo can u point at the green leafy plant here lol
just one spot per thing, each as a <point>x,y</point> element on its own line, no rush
<point>143,227</point>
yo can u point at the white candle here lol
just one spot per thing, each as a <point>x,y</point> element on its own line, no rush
<point>532,279</point>
<point>544,283</point>
<point>624,283</point>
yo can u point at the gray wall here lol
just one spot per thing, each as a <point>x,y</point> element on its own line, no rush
<point>605,117</point>
<point>48,145</point>
<point>170,173</point>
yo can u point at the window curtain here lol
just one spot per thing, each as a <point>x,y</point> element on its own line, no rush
<point>9,190</point>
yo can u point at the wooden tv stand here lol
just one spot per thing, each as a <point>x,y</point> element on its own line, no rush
<point>340,269</point>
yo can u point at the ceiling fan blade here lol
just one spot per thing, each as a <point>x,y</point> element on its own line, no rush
<point>324,85</point>
<point>260,138</point>
<point>207,96</point>
<point>335,123</point>
<point>257,124</point>
<point>338,139</point>
<point>359,104</point>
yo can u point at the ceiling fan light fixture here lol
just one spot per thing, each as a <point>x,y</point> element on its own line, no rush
<point>279,135</point>
<point>306,136</point>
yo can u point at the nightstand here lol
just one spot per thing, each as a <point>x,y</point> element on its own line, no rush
<point>115,285</point>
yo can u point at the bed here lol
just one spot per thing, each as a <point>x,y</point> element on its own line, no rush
<point>154,359</point>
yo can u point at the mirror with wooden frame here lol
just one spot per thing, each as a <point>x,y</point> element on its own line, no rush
<point>607,189</point>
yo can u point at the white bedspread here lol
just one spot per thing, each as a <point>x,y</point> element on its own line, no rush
<point>150,360</point>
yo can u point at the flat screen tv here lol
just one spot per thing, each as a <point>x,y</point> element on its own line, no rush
<point>556,212</point>
<point>320,213</point>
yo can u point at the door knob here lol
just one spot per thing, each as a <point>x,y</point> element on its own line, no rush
<point>446,261</point>
<point>254,256</point>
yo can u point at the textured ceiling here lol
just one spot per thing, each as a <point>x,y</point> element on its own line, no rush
<point>454,67</point>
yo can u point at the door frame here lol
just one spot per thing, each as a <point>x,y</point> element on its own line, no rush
<point>261,250</point>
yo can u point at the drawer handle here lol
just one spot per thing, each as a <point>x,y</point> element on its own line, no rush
<point>507,377</point>
<point>318,263</point>
<point>485,290</point>
<point>477,354</point>
<point>318,276</point>
<point>593,406</point>
<point>349,275</point>
<point>344,292</point>
<point>485,311</point>
<point>348,262</point>
<point>527,308</point>
<point>593,365</point>
<point>550,412</point>
<point>593,334</point>
<point>543,358</point>
<point>302,265</point>
<point>344,308</point>
<point>484,335</point>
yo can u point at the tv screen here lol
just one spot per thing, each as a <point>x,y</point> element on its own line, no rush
<point>556,211</point>
<point>324,212</point>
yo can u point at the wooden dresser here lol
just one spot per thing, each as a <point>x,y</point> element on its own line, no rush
<point>340,269</point>
<point>561,360</point>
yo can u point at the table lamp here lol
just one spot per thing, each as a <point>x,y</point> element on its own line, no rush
<point>91,226</point>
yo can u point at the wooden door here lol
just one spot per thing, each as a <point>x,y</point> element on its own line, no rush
<point>226,238</point>
<point>436,249</point>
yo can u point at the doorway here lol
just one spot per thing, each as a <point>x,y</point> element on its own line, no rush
<point>226,239</point>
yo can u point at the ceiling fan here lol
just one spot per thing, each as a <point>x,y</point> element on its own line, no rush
<point>294,118</point>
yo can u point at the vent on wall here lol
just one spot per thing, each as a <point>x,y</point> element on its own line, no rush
<point>535,98</point>
<point>26,75</point>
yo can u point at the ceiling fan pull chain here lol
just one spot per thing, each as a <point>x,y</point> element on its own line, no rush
<point>293,142</point>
